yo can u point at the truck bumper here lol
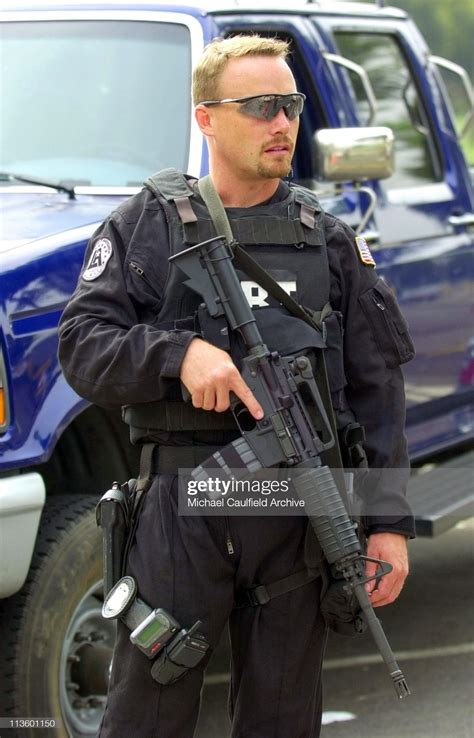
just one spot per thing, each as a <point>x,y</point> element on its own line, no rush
<point>22,500</point>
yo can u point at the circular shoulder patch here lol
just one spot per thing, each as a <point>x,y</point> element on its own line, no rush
<point>101,253</point>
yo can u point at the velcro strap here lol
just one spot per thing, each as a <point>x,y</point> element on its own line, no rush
<point>307,214</point>
<point>263,593</point>
<point>185,210</point>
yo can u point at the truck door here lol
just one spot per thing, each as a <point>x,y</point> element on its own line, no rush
<point>422,235</point>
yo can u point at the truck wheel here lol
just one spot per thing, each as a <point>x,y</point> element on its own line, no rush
<point>56,647</point>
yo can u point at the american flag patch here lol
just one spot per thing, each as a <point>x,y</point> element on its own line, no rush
<point>364,251</point>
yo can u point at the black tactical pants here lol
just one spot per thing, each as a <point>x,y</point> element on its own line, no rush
<point>183,564</point>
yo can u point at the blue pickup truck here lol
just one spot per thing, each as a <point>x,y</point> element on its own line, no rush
<point>96,98</point>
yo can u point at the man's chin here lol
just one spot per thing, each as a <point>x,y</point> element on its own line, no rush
<point>276,169</point>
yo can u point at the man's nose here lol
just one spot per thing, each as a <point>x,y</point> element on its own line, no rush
<point>280,122</point>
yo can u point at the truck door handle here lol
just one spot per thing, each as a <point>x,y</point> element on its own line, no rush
<point>466,219</point>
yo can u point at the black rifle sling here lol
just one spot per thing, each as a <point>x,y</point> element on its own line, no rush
<point>251,267</point>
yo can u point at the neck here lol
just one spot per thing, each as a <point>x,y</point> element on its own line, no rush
<point>237,193</point>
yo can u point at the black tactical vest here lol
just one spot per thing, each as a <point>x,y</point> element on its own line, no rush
<point>286,238</point>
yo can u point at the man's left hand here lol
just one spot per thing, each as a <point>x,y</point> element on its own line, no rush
<point>391,547</point>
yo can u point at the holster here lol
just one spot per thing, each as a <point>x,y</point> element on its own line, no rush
<point>113,515</point>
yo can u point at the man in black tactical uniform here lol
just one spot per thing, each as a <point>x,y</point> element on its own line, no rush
<point>131,334</point>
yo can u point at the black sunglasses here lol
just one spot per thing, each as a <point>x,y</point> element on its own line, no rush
<point>266,107</point>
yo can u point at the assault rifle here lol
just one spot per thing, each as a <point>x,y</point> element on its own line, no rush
<point>286,435</point>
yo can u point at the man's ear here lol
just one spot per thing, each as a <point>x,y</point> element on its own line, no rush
<point>203,119</point>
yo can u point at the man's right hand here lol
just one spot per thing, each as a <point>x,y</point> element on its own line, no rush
<point>209,374</point>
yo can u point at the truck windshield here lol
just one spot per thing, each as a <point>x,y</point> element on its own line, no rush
<point>102,103</point>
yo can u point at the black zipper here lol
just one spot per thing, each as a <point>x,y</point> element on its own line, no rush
<point>136,268</point>
<point>228,539</point>
<point>380,305</point>
<point>141,273</point>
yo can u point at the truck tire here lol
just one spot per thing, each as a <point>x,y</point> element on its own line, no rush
<point>56,647</point>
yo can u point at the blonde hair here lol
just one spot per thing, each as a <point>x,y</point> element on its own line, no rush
<point>216,55</point>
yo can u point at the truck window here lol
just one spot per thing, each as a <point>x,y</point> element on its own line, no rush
<point>460,109</point>
<point>95,102</point>
<point>399,105</point>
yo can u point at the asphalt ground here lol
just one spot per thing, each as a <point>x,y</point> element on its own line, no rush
<point>431,630</point>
